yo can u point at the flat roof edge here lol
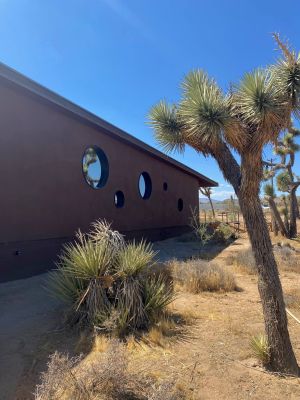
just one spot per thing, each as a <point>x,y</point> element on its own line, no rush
<point>41,91</point>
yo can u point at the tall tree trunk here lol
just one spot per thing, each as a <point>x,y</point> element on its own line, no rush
<point>274,225</point>
<point>282,357</point>
<point>246,184</point>
<point>277,217</point>
<point>212,208</point>
<point>285,215</point>
<point>293,213</point>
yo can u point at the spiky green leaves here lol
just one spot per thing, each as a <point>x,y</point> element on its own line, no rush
<point>283,181</point>
<point>133,258</point>
<point>201,119</point>
<point>269,190</point>
<point>167,126</point>
<point>204,110</point>
<point>286,76</point>
<point>108,282</point>
<point>251,115</point>
<point>259,106</point>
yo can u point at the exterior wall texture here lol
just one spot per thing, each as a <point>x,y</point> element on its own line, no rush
<point>45,198</point>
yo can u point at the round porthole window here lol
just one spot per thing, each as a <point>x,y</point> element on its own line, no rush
<point>95,167</point>
<point>119,199</point>
<point>165,186</point>
<point>145,185</point>
<point>180,204</point>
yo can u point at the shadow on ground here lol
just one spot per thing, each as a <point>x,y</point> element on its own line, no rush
<point>31,322</point>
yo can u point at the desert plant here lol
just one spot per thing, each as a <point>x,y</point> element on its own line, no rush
<point>287,258</point>
<point>244,261</point>
<point>223,233</point>
<point>252,114</point>
<point>106,282</point>
<point>106,377</point>
<point>286,180</point>
<point>200,230</point>
<point>198,275</point>
<point>260,348</point>
<point>206,191</point>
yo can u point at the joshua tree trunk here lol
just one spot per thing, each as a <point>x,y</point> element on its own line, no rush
<point>212,207</point>
<point>246,184</point>
<point>282,357</point>
<point>293,212</point>
<point>277,217</point>
<point>274,224</point>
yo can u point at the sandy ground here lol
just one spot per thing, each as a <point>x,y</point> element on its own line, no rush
<point>212,357</point>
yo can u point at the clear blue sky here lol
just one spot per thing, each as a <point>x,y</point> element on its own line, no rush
<point>118,57</point>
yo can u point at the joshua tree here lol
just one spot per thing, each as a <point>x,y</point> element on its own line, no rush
<point>286,180</point>
<point>207,192</point>
<point>253,113</point>
<point>276,217</point>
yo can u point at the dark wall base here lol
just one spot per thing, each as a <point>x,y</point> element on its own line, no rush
<point>20,260</point>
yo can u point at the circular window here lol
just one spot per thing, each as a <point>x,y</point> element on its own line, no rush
<point>145,185</point>
<point>119,199</point>
<point>95,167</point>
<point>180,204</point>
<point>165,186</point>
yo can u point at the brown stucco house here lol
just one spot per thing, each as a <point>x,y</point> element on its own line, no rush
<point>63,167</point>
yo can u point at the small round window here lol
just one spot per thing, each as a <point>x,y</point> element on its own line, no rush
<point>165,186</point>
<point>145,185</point>
<point>95,167</point>
<point>119,199</point>
<point>180,204</point>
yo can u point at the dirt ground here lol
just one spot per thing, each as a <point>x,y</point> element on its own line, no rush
<point>210,357</point>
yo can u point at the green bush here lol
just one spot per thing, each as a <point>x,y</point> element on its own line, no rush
<point>106,282</point>
<point>223,233</point>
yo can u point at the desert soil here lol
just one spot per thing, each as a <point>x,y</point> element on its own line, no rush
<point>210,357</point>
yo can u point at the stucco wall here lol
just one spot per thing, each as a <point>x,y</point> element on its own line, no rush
<point>43,191</point>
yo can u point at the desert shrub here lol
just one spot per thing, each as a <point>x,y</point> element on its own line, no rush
<point>292,298</point>
<point>287,258</point>
<point>106,282</point>
<point>260,348</point>
<point>106,377</point>
<point>198,275</point>
<point>244,261</point>
<point>200,230</point>
<point>224,233</point>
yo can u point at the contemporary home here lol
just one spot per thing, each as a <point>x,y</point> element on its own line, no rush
<point>63,167</point>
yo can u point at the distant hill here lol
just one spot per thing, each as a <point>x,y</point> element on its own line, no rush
<point>204,200</point>
<point>218,204</point>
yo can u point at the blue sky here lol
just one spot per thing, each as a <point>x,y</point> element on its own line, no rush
<point>119,57</point>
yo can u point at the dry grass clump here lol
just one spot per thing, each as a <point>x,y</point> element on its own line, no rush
<point>292,298</point>
<point>243,262</point>
<point>287,258</point>
<point>107,377</point>
<point>161,332</point>
<point>199,276</point>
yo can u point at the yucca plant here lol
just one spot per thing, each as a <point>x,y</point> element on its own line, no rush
<point>158,293</point>
<point>252,114</point>
<point>260,348</point>
<point>108,283</point>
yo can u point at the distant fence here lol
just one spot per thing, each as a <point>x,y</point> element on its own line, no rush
<point>233,218</point>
